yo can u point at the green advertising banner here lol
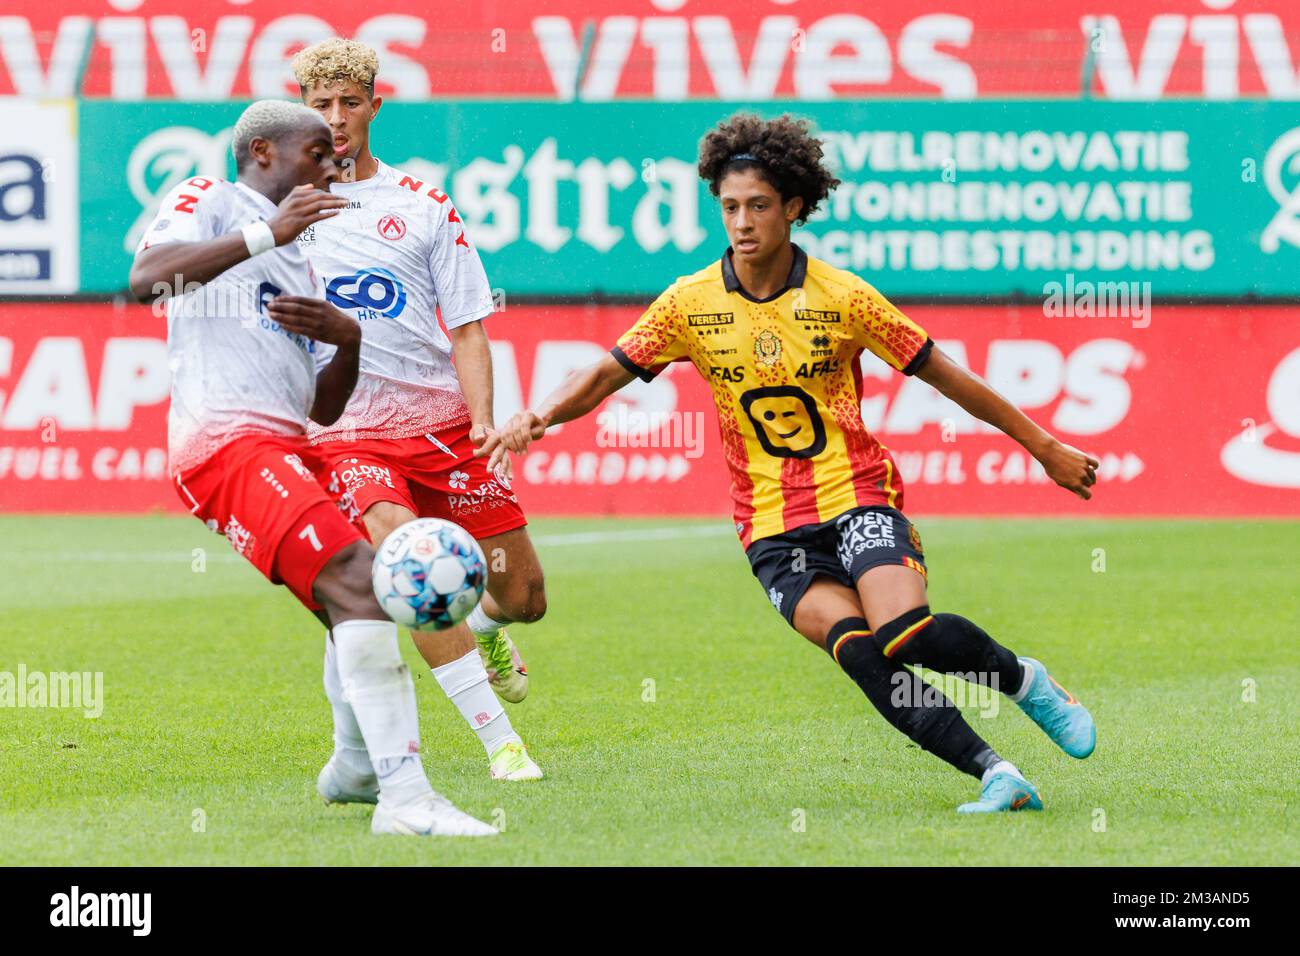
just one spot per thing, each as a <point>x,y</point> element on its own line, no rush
<point>938,199</point>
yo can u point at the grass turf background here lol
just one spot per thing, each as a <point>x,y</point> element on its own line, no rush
<point>214,713</point>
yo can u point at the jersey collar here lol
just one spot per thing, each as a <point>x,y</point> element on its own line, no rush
<point>798,271</point>
<point>381,175</point>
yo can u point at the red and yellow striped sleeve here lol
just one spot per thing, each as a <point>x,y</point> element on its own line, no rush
<point>656,339</point>
<point>886,332</point>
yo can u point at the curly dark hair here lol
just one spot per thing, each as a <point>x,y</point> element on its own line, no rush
<point>785,154</point>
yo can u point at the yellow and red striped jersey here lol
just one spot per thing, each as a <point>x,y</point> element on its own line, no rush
<point>786,381</point>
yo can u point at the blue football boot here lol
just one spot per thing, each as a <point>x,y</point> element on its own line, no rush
<point>1003,793</point>
<point>1054,709</point>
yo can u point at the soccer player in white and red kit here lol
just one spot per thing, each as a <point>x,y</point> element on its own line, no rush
<point>397,257</point>
<point>254,353</point>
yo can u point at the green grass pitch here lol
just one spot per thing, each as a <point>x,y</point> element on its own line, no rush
<point>755,749</point>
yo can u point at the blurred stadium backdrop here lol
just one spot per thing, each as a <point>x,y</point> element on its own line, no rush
<point>1009,171</point>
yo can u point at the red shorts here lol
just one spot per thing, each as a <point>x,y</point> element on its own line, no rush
<point>265,494</point>
<point>434,476</point>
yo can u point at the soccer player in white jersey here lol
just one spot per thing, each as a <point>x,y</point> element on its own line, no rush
<point>255,352</point>
<point>395,257</point>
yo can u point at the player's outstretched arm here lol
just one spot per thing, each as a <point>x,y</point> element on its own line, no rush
<point>579,393</point>
<point>317,319</point>
<point>163,271</point>
<point>1068,467</point>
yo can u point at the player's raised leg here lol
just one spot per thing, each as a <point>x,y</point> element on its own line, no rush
<point>460,487</point>
<point>909,633</point>
<point>831,616</point>
<point>1053,708</point>
<point>515,594</point>
<point>894,604</point>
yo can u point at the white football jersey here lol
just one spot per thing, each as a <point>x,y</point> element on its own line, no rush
<point>234,371</point>
<point>393,258</point>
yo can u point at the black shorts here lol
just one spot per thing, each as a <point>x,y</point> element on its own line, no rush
<point>842,549</point>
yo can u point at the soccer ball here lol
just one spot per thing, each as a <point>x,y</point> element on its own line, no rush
<point>429,574</point>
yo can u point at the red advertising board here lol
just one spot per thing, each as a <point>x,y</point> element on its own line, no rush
<point>662,49</point>
<point>1192,411</point>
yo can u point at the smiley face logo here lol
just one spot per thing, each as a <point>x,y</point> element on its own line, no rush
<point>785,420</point>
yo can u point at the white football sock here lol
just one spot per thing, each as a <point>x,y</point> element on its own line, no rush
<point>465,682</point>
<point>349,745</point>
<point>481,624</point>
<point>1026,679</point>
<point>378,686</point>
<point>1002,766</point>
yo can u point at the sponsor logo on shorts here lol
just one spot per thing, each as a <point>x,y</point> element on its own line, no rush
<point>355,474</point>
<point>489,494</point>
<point>866,531</point>
<point>240,538</point>
<point>346,501</point>
<point>776,597</point>
<point>269,477</point>
<point>294,462</point>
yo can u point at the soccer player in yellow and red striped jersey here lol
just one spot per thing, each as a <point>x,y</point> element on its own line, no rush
<point>785,377</point>
<point>778,336</point>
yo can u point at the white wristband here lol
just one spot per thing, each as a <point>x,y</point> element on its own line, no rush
<point>258,237</point>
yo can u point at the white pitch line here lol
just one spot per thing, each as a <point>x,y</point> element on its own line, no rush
<point>542,540</point>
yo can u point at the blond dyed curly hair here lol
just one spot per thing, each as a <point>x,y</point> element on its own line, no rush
<point>336,60</point>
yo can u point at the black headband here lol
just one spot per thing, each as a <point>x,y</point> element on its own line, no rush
<point>744,158</point>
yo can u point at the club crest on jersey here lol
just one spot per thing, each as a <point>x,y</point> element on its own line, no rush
<point>767,348</point>
<point>391,227</point>
<point>374,293</point>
